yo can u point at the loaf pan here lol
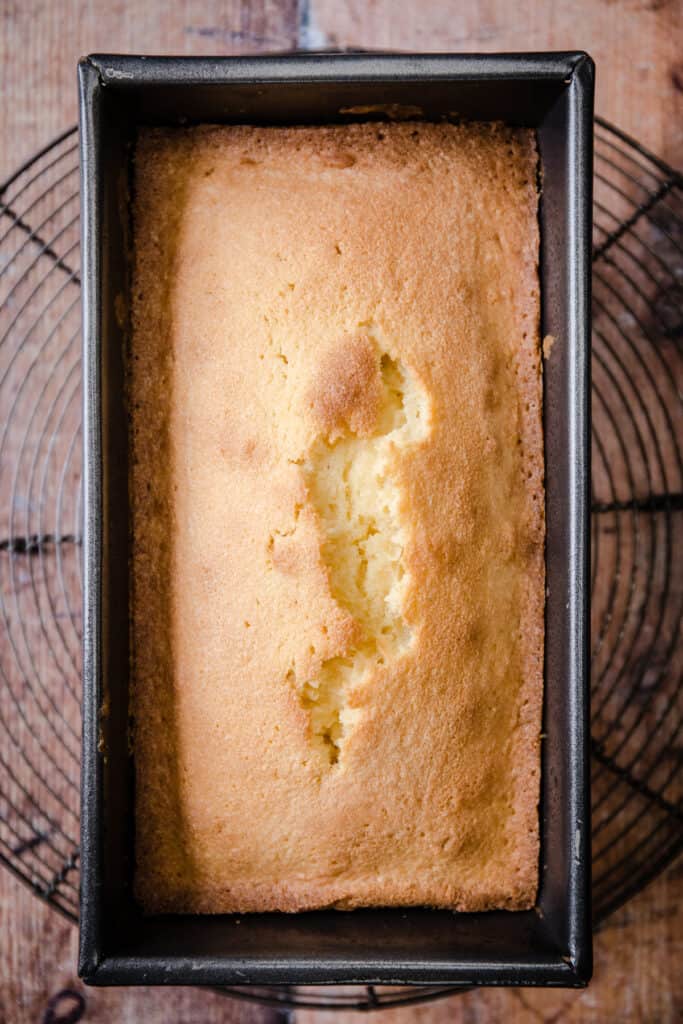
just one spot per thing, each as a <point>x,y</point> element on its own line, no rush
<point>550,945</point>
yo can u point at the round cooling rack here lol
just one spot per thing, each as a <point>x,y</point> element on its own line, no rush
<point>637,529</point>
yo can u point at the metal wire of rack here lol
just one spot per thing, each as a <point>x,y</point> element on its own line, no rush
<point>637,529</point>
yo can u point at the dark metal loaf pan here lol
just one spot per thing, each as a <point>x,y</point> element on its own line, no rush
<point>550,945</point>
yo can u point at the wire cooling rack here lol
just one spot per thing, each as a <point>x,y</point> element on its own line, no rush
<point>637,528</point>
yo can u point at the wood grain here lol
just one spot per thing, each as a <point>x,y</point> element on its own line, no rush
<point>636,44</point>
<point>42,40</point>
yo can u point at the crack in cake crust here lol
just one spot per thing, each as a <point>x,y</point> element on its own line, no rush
<point>351,482</point>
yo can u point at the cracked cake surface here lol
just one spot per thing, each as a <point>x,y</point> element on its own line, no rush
<point>337,567</point>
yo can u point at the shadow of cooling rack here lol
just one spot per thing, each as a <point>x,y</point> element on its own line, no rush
<point>637,529</point>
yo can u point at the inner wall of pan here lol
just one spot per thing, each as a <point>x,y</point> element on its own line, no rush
<point>404,933</point>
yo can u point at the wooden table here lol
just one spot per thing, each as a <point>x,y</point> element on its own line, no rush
<point>637,48</point>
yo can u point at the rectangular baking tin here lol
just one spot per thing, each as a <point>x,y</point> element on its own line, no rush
<point>548,946</point>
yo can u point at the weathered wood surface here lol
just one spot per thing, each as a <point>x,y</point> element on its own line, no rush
<point>637,47</point>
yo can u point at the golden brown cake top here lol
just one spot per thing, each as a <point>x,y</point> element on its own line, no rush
<point>337,517</point>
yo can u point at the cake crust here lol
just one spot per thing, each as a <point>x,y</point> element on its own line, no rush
<point>337,686</point>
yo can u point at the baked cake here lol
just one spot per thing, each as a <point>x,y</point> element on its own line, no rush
<point>337,517</point>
